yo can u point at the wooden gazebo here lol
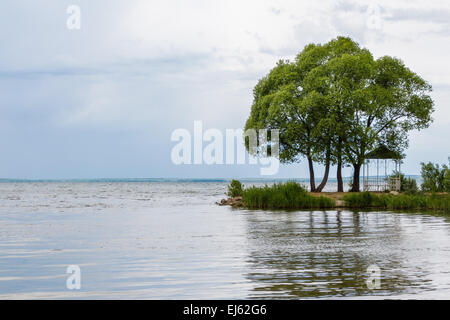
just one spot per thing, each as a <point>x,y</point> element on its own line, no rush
<point>377,183</point>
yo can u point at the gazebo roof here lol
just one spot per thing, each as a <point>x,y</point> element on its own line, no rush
<point>383,152</point>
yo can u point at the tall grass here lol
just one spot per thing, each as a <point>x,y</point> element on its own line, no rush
<point>438,202</point>
<point>290,195</point>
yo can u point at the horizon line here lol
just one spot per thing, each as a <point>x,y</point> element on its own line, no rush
<point>217,179</point>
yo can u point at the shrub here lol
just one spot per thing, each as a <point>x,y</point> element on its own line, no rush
<point>359,200</point>
<point>447,180</point>
<point>235,189</point>
<point>290,195</point>
<point>435,178</point>
<point>408,185</point>
<point>404,201</point>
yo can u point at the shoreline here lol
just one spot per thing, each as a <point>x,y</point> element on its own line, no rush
<point>341,203</point>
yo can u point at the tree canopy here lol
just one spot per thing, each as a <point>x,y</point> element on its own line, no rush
<point>335,103</point>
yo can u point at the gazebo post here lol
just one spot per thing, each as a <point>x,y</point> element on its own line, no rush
<point>364,175</point>
<point>378,163</point>
<point>385,174</point>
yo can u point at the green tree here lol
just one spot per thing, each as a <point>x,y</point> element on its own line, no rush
<point>341,80</point>
<point>280,104</point>
<point>435,178</point>
<point>393,101</point>
<point>335,103</point>
<point>295,99</point>
<point>235,188</point>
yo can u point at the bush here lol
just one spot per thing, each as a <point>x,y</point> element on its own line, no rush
<point>435,178</point>
<point>360,200</point>
<point>447,181</point>
<point>404,201</point>
<point>235,189</point>
<point>407,185</point>
<point>290,195</point>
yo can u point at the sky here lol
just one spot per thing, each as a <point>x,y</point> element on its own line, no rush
<point>102,101</point>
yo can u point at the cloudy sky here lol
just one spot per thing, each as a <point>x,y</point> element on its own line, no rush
<point>103,101</point>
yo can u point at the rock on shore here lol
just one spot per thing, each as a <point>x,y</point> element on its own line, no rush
<point>234,202</point>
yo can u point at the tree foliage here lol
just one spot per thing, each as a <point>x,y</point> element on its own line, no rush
<point>435,178</point>
<point>335,103</point>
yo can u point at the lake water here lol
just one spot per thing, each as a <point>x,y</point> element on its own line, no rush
<point>168,240</point>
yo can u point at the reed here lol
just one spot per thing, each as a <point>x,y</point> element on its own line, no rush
<point>289,195</point>
<point>438,202</point>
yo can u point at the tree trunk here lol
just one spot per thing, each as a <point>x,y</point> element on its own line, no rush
<point>327,171</point>
<point>357,169</point>
<point>312,182</point>
<point>325,177</point>
<point>340,183</point>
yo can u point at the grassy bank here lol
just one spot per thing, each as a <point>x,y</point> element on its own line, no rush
<point>289,195</point>
<point>437,202</point>
<point>292,195</point>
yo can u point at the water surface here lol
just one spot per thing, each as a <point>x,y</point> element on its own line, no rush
<point>168,240</point>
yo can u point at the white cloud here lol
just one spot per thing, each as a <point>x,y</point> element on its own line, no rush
<point>232,32</point>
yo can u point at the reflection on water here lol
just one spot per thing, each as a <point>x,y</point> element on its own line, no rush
<point>325,254</point>
<point>169,240</point>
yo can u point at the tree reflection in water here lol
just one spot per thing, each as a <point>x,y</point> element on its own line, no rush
<point>325,254</point>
